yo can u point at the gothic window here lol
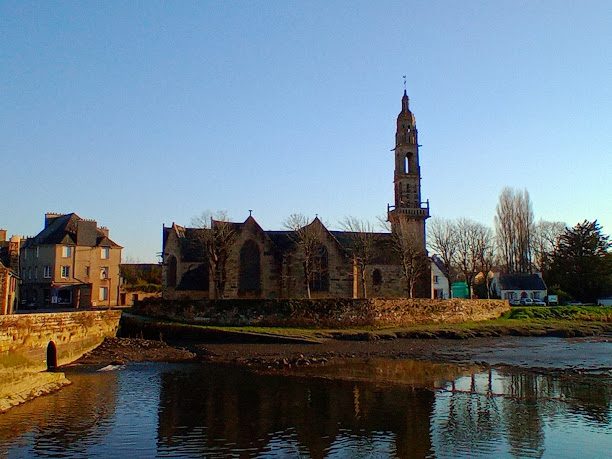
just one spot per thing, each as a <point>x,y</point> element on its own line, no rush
<point>171,271</point>
<point>320,276</point>
<point>249,278</point>
<point>377,278</point>
<point>195,279</point>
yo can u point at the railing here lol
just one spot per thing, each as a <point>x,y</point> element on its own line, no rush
<point>421,211</point>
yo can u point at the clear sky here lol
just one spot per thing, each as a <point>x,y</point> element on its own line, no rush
<point>142,113</point>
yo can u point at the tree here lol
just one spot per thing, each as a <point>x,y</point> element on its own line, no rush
<point>413,259</point>
<point>514,227</point>
<point>362,234</point>
<point>308,237</point>
<point>218,236</point>
<point>582,262</point>
<point>545,235</point>
<point>468,259</point>
<point>485,253</point>
<point>442,239</point>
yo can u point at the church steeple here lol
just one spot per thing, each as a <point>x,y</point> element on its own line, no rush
<point>407,175</point>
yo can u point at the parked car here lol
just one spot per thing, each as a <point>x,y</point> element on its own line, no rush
<point>537,302</point>
<point>526,301</point>
<point>515,302</point>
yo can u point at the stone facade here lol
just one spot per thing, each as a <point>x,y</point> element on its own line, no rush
<point>8,290</point>
<point>271,264</point>
<point>71,263</point>
<point>30,343</point>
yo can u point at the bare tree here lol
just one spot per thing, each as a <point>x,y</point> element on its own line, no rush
<point>362,234</point>
<point>514,228</point>
<point>308,238</point>
<point>468,262</point>
<point>413,259</point>
<point>218,236</point>
<point>545,235</point>
<point>485,253</point>
<point>442,240</point>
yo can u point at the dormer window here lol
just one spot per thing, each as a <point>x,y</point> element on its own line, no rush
<point>66,251</point>
<point>105,253</point>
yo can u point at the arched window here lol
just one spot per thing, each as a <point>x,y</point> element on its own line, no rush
<point>249,278</point>
<point>195,279</point>
<point>406,165</point>
<point>377,278</point>
<point>171,271</point>
<point>320,273</point>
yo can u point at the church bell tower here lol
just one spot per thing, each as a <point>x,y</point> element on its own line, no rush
<point>409,212</point>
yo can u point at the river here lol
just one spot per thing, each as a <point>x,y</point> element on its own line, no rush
<point>379,408</point>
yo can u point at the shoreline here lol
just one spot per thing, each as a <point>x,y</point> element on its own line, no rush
<point>548,354</point>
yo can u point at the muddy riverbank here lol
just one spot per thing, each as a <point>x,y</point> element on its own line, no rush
<point>592,354</point>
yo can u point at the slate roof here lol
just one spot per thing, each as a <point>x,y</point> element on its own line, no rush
<point>284,241</point>
<point>63,230</point>
<point>521,282</point>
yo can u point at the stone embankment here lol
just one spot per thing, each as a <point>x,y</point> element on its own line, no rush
<point>324,313</point>
<point>33,343</point>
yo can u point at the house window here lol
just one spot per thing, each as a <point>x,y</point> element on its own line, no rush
<point>104,272</point>
<point>105,253</point>
<point>66,251</point>
<point>436,279</point>
<point>47,272</point>
<point>103,293</point>
<point>87,271</point>
<point>37,251</point>
<point>65,272</point>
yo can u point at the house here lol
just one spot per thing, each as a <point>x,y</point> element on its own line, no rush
<point>272,264</point>
<point>9,269</point>
<point>440,286</point>
<point>519,285</point>
<point>71,263</point>
<point>9,290</point>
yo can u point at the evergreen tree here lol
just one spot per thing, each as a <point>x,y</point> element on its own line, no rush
<point>582,262</point>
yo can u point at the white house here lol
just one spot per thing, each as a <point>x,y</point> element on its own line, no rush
<point>440,286</point>
<point>517,286</point>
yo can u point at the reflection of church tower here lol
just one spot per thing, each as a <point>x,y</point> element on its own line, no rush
<point>408,210</point>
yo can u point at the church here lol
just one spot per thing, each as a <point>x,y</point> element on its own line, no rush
<point>242,260</point>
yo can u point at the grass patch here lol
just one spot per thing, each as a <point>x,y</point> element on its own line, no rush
<point>562,321</point>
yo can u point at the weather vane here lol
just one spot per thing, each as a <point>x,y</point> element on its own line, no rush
<point>404,82</point>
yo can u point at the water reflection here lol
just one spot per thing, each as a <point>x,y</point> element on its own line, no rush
<point>317,416</point>
<point>379,408</point>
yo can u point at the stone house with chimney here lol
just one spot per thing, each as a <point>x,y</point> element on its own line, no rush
<point>71,263</point>
<point>269,264</point>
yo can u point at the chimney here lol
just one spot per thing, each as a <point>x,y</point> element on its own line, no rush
<point>2,235</point>
<point>86,233</point>
<point>104,230</point>
<point>50,216</point>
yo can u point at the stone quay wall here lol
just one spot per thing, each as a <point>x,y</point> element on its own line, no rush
<point>324,313</point>
<point>28,340</point>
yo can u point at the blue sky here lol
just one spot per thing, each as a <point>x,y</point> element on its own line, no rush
<point>142,113</point>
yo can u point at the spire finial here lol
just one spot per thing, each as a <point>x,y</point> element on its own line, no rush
<point>250,212</point>
<point>404,83</point>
